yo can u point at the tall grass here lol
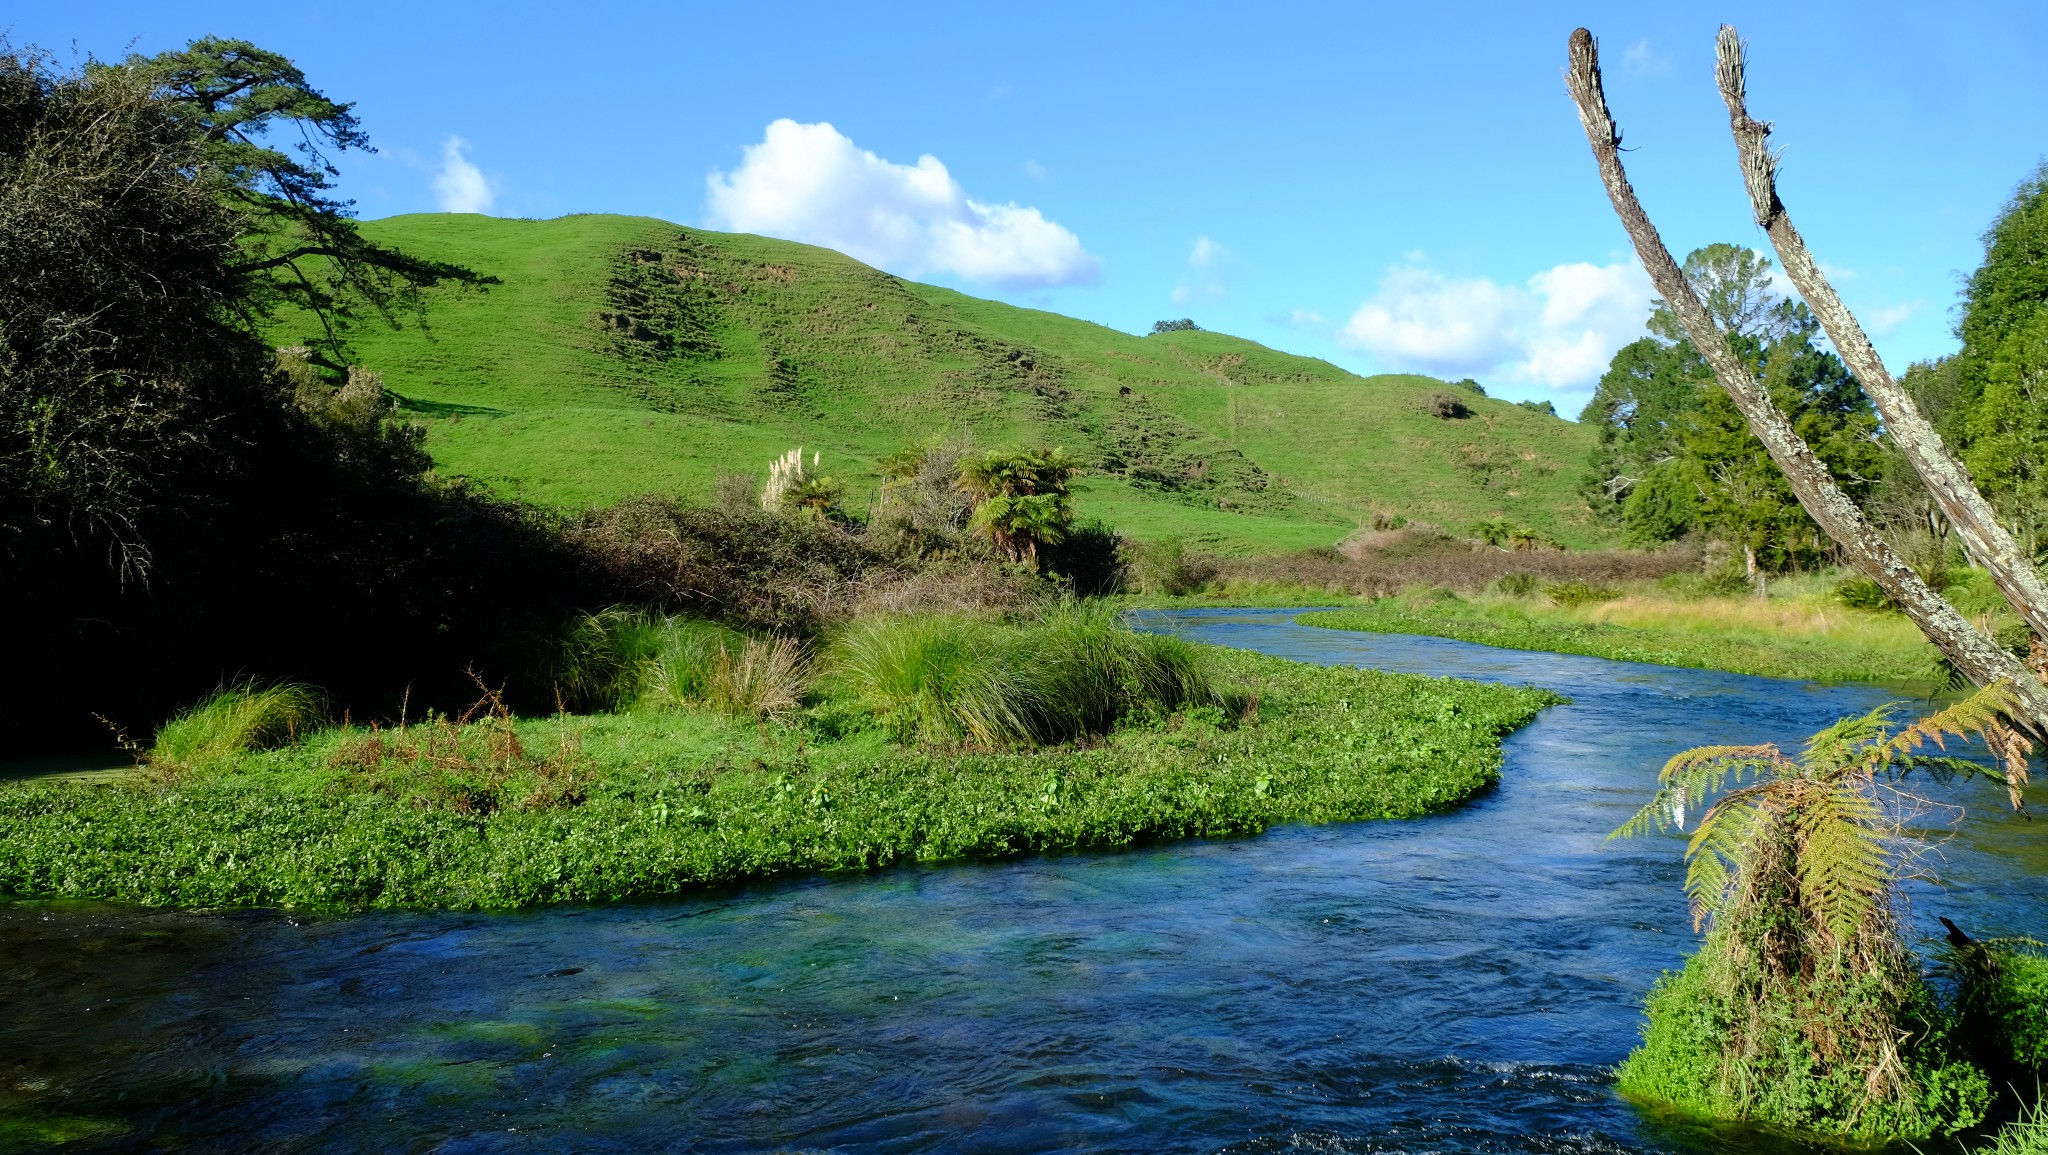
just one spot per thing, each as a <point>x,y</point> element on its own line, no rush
<point>244,716</point>
<point>1068,675</point>
<point>680,661</point>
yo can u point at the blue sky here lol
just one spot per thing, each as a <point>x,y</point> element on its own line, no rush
<point>1389,187</point>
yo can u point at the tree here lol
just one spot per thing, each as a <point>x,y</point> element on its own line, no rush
<point>1184,325</point>
<point>1978,657</point>
<point>299,242</point>
<point>1663,424</point>
<point>1020,498</point>
<point>1733,284</point>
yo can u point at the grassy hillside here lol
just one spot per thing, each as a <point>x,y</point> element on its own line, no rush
<point>624,355</point>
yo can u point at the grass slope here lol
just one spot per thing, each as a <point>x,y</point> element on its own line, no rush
<point>624,355</point>
<point>674,801</point>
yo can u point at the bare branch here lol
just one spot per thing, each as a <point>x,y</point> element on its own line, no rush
<point>1976,656</point>
<point>1983,537</point>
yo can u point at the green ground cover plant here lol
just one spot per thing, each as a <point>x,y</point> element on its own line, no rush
<point>492,811</point>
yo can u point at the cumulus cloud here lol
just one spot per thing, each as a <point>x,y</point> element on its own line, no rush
<point>1205,261</point>
<point>460,186</point>
<point>1559,329</point>
<point>806,182</point>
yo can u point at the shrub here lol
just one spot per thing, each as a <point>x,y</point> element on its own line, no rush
<point>1167,567</point>
<point>234,719</point>
<point>473,764</point>
<point>1577,592</point>
<point>1860,593</point>
<point>1519,585</point>
<point>1184,325</point>
<point>1445,407</point>
<point>1718,1046</point>
<point>2003,999</point>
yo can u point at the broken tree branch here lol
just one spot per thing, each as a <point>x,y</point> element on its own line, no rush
<point>1975,656</point>
<point>1983,537</point>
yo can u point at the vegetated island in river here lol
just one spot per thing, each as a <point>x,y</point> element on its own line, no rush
<point>501,812</point>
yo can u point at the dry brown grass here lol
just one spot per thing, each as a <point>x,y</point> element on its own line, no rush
<point>473,763</point>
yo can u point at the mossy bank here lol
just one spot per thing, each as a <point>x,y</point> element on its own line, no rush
<point>649,803</point>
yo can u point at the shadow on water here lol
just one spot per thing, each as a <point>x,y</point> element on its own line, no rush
<point>1458,983</point>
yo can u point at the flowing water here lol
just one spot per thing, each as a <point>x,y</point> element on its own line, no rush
<point>1457,983</point>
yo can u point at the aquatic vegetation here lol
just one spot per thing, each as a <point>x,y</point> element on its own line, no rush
<point>233,719</point>
<point>1803,1007</point>
<point>677,799</point>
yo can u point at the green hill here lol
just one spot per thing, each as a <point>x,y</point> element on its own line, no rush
<point>625,355</point>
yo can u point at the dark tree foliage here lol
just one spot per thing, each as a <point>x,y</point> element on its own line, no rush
<point>1184,325</point>
<point>177,506</point>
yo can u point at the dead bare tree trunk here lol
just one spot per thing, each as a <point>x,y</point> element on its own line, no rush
<point>1974,655</point>
<point>1983,537</point>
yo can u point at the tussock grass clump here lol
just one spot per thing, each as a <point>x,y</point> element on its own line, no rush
<point>245,716</point>
<point>2026,1135</point>
<point>1069,675</point>
<point>622,657</point>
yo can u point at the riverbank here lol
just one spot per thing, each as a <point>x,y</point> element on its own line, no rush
<point>605,807</point>
<point>1800,634</point>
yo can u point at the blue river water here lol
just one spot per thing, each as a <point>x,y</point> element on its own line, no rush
<point>1458,983</point>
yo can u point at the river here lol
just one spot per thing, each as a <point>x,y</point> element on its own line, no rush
<point>1457,983</point>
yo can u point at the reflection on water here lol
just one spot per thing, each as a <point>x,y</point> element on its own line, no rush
<point>1459,983</point>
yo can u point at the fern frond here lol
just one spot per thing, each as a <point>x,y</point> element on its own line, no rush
<point>1986,714</point>
<point>1690,775</point>
<point>1719,851</point>
<point>1846,744</point>
<point>1844,866</point>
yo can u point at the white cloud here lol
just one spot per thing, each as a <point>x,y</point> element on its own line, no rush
<point>1206,260</point>
<point>1642,59</point>
<point>460,186</point>
<point>806,182</point>
<point>1559,330</point>
<point>1884,320</point>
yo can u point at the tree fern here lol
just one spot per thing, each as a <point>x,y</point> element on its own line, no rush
<point>1793,873</point>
